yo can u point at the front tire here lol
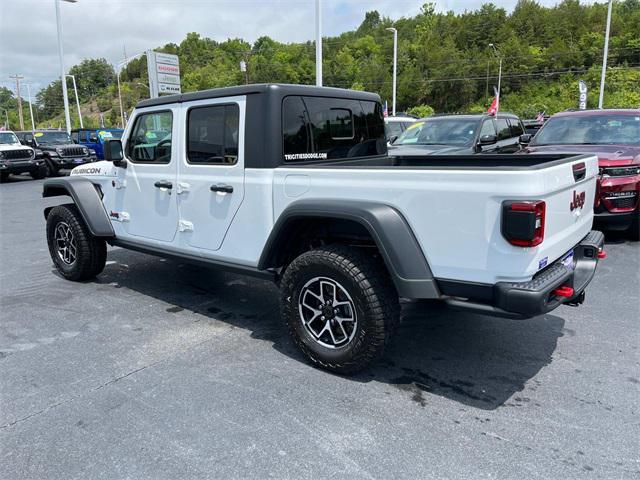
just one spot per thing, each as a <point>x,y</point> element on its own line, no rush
<point>41,172</point>
<point>340,307</point>
<point>76,254</point>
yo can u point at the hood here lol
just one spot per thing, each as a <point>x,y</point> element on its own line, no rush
<point>4,147</point>
<point>52,146</point>
<point>103,168</point>
<point>608,155</point>
<point>420,150</point>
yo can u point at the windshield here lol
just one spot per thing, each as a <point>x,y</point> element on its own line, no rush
<point>52,137</point>
<point>441,131</point>
<point>590,130</point>
<point>9,138</point>
<point>109,134</point>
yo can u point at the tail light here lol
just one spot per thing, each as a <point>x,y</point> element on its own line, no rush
<point>523,222</point>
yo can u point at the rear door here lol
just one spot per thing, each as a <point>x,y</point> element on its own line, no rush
<point>146,202</point>
<point>211,172</point>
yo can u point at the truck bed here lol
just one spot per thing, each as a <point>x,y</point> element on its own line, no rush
<point>457,162</point>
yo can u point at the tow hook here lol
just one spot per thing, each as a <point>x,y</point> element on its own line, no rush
<point>579,300</point>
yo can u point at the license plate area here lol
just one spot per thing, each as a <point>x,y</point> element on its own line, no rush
<point>568,260</point>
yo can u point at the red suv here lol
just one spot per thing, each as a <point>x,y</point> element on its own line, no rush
<point>613,135</point>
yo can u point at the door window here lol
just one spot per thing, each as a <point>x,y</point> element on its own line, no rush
<point>213,134</point>
<point>504,131</point>
<point>516,127</point>
<point>487,128</point>
<point>150,140</point>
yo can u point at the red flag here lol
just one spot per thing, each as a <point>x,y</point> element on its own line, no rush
<point>493,108</point>
<point>495,105</point>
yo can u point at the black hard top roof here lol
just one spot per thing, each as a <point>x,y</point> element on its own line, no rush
<point>277,89</point>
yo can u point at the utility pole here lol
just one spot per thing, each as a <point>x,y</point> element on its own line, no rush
<point>318,43</point>
<point>33,123</point>
<point>395,66</point>
<point>604,59</point>
<point>63,79</point>
<point>17,78</point>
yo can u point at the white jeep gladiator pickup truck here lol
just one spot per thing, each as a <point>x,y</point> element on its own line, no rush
<point>294,184</point>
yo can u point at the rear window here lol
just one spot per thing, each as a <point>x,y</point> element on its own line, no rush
<point>318,128</point>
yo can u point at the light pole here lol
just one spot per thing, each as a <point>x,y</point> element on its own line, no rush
<point>6,115</point>
<point>604,59</point>
<point>499,75</point>
<point>395,65</point>
<point>318,43</point>
<point>119,68</point>
<point>75,89</point>
<point>33,124</point>
<point>63,79</point>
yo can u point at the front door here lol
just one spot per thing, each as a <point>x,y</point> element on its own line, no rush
<point>211,174</point>
<point>145,200</point>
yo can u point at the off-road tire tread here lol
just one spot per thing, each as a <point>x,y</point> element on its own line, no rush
<point>375,286</point>
<point>92,251</point>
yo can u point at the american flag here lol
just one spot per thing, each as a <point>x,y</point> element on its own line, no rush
<point>385,112</point>
<point>540,117</point>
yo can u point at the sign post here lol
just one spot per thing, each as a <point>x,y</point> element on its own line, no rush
<point>164,73</point>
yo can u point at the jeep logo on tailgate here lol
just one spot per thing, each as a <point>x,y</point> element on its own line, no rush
<point>578,200</point>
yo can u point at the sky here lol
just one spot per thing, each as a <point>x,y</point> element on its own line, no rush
<point>106,28</point>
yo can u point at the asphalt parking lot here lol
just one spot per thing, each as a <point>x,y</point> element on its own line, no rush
<point>161,370</point>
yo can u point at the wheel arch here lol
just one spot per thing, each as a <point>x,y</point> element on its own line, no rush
<point>385,225</point>
<point>86,198</point>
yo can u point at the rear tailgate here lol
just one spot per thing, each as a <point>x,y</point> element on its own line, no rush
<point>570,196</point>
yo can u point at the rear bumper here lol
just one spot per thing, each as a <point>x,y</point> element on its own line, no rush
<point>616,221</point>
<point>536,297</point>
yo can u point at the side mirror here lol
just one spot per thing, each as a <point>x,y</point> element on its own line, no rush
<point>113,153</point>
<point>488,140</point>
<point>93,137</point>
<point>525,138</point>
<point>28,139</point>
<point>393,138</point>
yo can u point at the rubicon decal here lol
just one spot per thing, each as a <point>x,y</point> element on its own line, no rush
<point>578,200</point>
<point>86,171</point>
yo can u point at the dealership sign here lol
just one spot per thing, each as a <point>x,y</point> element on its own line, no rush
<point>582,99</point>
<point>164,73</point>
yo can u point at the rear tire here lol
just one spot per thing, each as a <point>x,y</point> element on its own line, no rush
<point>76,254</point>
<point>340,307</point>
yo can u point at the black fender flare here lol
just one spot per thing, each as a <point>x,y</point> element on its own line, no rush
<point>390,231</point>
<point>86,198</point>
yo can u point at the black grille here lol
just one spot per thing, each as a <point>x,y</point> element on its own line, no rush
<point>17,154</point>
<point>72,152</point>
<point>624,202</point>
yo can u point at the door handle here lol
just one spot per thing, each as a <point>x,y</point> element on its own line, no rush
<point>221,188</point>
<point>163,184</point>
